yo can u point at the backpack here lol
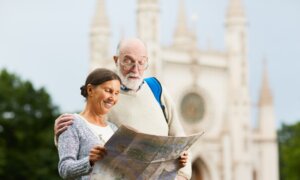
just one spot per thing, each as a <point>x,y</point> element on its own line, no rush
<point>156,89</point>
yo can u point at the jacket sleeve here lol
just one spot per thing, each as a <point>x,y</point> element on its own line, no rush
<point>175,128</point>
<point>68,146</point>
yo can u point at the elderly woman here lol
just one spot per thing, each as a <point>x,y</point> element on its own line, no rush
<point>81,145</point>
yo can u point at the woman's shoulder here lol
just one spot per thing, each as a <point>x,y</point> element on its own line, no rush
<point>78,121</point>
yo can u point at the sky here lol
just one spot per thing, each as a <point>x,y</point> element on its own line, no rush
<point>47,42</point>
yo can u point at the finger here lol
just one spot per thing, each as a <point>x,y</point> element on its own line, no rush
<point>94,151</point>
<point>184,157</point>
<point>63,119</point>
<point>183,161</point>
<point>61,130</point>
<point>61,127</point>
<point>59,117</point>
<point>98,150</point>
<point>101,149</point>
<point>96,157</point>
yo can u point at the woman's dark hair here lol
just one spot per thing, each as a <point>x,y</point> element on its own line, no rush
<point>97,77</point>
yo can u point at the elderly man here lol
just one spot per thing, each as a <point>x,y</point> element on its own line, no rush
<point>137,105</point>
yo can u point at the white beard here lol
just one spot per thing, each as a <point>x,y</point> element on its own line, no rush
<point>129,83</point>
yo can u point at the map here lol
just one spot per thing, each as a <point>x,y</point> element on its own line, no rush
<point>137,156</point>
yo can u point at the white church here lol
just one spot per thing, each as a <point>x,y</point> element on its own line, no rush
<point>210,89</point>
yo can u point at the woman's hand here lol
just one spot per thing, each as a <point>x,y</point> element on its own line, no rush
<point>183,159</point>
<point>96,153</point>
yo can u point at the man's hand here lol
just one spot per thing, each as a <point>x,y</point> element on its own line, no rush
<point>178,177</point>
<point>96,153</point>
<point>183,159</point>
<point>62,123</point>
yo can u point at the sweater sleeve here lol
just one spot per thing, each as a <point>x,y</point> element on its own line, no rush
<point>175,129</point>
<point>69,165</point>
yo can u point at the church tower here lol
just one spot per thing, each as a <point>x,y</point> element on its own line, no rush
<point>268,151</point>
<point>100,34</point>
<point>148,29</point>
<point>236,45</point>
<point>238,92</point>
<point>184,39</point>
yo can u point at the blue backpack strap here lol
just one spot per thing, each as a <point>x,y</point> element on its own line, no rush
<point>156,89</point>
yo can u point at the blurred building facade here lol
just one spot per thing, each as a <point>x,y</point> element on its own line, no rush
<point>210,89</point>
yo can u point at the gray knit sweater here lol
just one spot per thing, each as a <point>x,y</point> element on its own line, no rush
<point>74,146</point>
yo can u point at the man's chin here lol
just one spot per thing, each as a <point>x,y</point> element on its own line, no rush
<point>133,84</point>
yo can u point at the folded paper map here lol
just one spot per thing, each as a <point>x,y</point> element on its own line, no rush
<point>137,156</point>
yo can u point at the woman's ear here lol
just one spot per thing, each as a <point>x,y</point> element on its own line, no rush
<point>89,90</point>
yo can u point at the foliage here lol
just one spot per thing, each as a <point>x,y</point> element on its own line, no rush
<point>27,150</point>
<point>289,151</point>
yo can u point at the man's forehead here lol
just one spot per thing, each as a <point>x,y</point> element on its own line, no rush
<point>133,52</point>
<point>133,49</point>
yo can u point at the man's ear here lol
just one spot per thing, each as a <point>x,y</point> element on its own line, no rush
<point>115,59</point>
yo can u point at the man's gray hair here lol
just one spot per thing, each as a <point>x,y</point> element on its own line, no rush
<point>118,50</point>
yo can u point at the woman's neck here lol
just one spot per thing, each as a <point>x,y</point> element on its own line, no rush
<point>94,118</point>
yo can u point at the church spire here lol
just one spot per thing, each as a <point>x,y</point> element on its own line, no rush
<point>235,9</point>
<point>100,34</point>
<point>100,18</point>
<point>266,118</point>
<point>267,131</point>
<point>266,97</point>
<point>182,28</point>
<point>184,38</point>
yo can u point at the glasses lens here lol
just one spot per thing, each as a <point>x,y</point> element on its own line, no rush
<point>141,64</point>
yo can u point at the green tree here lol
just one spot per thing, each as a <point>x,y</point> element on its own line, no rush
<point>27,150</point>
<point>289,151</point>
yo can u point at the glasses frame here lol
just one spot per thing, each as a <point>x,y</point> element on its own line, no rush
<point>133,63</point>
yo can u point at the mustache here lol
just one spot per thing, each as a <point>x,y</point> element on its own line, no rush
<point>132,75</point>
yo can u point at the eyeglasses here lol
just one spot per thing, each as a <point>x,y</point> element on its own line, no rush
<point>141,64</point>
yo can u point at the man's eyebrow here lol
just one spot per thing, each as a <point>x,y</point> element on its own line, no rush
<point>132,58</point>
<point>128,56</point>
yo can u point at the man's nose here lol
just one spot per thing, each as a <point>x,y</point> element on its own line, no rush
<point>135,68</point>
